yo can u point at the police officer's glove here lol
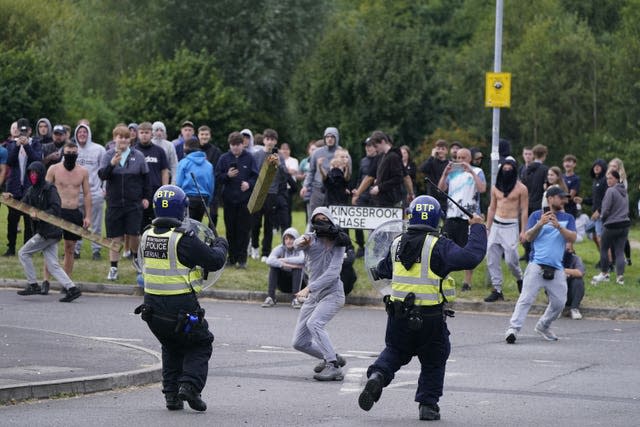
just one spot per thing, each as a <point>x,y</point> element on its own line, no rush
<point>220,242</point>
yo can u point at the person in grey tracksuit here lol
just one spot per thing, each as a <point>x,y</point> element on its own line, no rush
<point>324,249</point>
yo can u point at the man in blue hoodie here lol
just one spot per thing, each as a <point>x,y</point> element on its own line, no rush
<point>201,191</point>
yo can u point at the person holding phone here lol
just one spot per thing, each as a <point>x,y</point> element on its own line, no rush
<point>464,183</point>
<point>548,233</point>
<point>21,152</point>
<point>128,193</point>
<point>236,173</point>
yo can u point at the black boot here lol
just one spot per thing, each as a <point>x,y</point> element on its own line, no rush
<point>174,403</point>
<point>72,293</point>
<point>188,392</point>
<point>429,412</point>
<point>31,289</point>
<point>372,391</point>
<point>45,287</point>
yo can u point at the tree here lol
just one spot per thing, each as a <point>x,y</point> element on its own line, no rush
<point>188,86</point>
<point>29,88</point>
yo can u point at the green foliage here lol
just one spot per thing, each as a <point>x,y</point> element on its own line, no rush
<point>29,88</point>
<point>186,87</point>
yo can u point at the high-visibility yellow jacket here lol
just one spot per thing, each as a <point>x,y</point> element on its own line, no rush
<point>162,271</point>
<point>429,288</point>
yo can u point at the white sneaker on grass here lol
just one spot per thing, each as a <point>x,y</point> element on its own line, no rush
<point>599,278</point>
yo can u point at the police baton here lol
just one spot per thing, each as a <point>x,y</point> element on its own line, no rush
<point>206,208</point>
<point>465,211</point>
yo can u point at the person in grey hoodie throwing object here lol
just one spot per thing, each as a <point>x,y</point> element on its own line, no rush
<point>286,265</point>
<point>324,248</point>
<point>313,183</point>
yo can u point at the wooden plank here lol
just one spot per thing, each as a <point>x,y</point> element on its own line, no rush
<point>265,178</point>
<point>59,222</point>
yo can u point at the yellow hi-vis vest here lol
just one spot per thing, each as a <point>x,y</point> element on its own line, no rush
<point>419,279</point>
<point>162,272</point>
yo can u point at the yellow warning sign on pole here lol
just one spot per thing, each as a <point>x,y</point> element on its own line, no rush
<point>497,90</point>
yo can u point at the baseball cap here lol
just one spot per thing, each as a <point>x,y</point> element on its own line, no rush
<point>188,123</point>
<point>133,126</point>
<point>59,129</point>
<point>556,191</point>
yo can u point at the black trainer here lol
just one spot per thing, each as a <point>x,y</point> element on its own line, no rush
<point>72,293</point>
<point>372,391</point>
<point>173,402</point>
<point>429,412</point>
<point>466,287</point>
<point>10,252</point>
<point>494,296</point>
<point>31,289</point>
<point>188,392</point>
<point>45,288</point>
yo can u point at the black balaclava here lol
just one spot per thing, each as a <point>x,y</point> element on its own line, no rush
<point>506,180</point>
<point>70,161</point>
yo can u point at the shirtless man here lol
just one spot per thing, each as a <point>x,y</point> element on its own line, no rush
<point>508,207</point>
<point>69,178</point>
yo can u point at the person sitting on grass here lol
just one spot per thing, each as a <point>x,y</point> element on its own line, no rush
<point>286,265</point>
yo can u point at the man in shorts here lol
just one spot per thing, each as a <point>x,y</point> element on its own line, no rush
<point>125,171</point>
<point>69,178</point>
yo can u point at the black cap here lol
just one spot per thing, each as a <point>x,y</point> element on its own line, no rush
<point>23,123</point>
<point>556,191</point>
<point>59,129</point>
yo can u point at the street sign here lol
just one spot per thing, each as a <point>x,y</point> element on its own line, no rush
<point>364,217</point>
<point>497,90</point>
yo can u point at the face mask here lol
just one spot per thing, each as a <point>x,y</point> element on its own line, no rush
<point>33,177</point>
<point>70,161</point>
<point>324,228</point>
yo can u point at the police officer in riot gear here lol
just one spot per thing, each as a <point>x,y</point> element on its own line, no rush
<point>169,254</point>
<point>418,264</point>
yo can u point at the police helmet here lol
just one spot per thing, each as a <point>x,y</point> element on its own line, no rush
<point>425,210</point>
<point>169,201</point>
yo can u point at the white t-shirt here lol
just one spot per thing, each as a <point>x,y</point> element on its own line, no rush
<point>462,189</point>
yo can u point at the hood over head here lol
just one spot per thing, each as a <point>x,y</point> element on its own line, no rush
<point>332,131</point>
<point>38,168</point>
<point>291,231</point>
<point>75,133</point>
<point>49,129</point>
<point>324,211</point>
<point>248,132</point>
<point>603,165</point>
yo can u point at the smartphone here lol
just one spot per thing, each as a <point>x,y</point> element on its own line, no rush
<point>233,165</point>
<point>546,209</point>
<point>456,166</point>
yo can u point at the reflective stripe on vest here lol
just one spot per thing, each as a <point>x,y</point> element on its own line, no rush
<point>162,271</point>
<point>419,279</point>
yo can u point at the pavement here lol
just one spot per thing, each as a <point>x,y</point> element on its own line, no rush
<point>34,362</point>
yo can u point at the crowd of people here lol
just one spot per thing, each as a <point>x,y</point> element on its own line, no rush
<point>145,185</point>
<point>118,180</point>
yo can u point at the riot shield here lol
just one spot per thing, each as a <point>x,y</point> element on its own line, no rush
<point>376,250</point>
<point>206,235</point>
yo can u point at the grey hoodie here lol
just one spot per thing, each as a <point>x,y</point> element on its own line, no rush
<point>314,178</point>
<point>251,148</point>
<point>324,261</point>
<point>48,136</point>
<point>293,255</point>
<point>615,205</point>
<point>90,156</point>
